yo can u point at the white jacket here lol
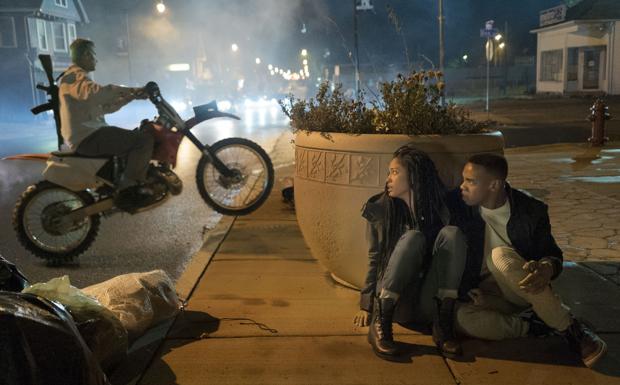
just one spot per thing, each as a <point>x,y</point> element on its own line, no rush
<point>84,102</point>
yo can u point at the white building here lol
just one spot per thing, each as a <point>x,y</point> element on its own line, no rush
<point>579,48</point>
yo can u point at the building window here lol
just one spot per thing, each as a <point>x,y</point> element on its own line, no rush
<point>551,66</point>
<point>60,37</point>
<point>7,32</point>
<point>572,65</point>
<point>42,35</point>
<point>71,32</point>
<point>61,3</point>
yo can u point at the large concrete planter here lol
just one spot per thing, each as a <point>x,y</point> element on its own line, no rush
<point>333,179</point>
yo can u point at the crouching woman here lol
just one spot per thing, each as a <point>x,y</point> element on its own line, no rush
<point>416,259</point>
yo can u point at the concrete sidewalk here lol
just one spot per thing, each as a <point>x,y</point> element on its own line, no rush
<point>266,312</point>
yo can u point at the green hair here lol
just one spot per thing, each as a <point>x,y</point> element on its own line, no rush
<point>79,47</point>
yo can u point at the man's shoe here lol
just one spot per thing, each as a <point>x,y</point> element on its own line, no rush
<point>134,197</point>
<point>444,335</point>
<point>380,334</point>
<point>537,327</point>
<point>585,342</point>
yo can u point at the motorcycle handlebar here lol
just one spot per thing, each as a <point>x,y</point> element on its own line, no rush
<point>152,89</point>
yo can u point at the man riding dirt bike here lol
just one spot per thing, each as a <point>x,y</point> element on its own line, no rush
<point>84,129</point>
<point>58,218</point>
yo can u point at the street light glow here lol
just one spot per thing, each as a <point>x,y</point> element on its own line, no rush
<point>270,67</point>
<point>305,62</point>
<point>465,57</point>
<point>234,47</point>
<point>304,52</point>
<point>502,45</point>
<point>257,60</point>
<point>179,67</point>
<point>498,37</point>
<point>161,7</point>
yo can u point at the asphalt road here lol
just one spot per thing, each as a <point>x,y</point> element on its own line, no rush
<point>163,238</point>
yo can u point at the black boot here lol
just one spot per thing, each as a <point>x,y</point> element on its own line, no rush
<point>443,328</point>
<point>585,342</point>
<point>380,331</point>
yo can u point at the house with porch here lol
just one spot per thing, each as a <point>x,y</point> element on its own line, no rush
<point>29,28</point>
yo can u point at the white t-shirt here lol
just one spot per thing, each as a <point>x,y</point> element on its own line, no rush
<point>495,231</point>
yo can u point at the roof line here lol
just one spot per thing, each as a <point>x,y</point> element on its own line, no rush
<point>20,9</point>
<point>81,9</point>
<point>572,22</point>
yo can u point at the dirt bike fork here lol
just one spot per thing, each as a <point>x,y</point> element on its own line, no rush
<point>206,151</point>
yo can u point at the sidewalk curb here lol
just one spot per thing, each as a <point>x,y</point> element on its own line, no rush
<point>142,352</point>
<point>198,264</point>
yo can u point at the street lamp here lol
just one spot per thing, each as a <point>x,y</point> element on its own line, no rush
<point>304,52</point>
<point>234,47</point>
<point>498,37</point>
<point>502,45</point>
<point>257,60</point>
<point>161,7</point>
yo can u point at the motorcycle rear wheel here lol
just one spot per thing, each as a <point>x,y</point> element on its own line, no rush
<point>245,193</point>
<point>33,218</point>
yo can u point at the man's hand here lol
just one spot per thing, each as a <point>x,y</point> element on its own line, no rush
<point>139,93</point>
<point>539,277</point>
<point>362,318</point>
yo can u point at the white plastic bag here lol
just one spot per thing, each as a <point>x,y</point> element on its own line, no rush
<point>60,290</point>
<point>101,329</point>
<point>139,300</point>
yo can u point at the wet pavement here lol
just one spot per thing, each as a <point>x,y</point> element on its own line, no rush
<point>582,188</point>
<point>165,237</point>
<point>266,312</point>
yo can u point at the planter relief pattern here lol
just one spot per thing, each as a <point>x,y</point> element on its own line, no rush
<point>333,179</point>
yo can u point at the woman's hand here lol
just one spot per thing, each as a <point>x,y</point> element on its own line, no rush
<point>362,318</point>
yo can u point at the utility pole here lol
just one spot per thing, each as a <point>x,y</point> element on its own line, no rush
<point>357,56</point>
<point>441,47</point>
<point>364,5</point>
<point>127,30</point>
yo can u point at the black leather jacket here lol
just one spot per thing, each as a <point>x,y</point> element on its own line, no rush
<point>528,228</point>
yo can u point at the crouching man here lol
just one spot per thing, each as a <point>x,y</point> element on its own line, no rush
<point>512,259</point>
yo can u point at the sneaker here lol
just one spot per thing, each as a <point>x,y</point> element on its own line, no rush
<point>585,342</point>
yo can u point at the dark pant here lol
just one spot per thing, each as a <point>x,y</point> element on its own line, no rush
<point>404,274</point>
<point>135,146</point>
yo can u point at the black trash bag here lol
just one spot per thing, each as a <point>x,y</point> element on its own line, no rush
<point>11,279</point>
<point>102,331</point>
<point>40,344</point>
<point>104,335</point>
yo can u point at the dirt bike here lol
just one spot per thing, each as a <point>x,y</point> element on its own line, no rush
<point>58,218</point>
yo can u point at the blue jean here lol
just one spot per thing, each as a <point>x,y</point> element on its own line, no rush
<point>404,274</point>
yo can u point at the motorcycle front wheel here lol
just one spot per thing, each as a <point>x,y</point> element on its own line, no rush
<point>248,189</point>
<point>36,217</point>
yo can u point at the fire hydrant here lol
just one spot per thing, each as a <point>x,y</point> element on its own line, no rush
<point>599,113</point>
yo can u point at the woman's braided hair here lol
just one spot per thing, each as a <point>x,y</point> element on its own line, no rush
<point>428,199</point>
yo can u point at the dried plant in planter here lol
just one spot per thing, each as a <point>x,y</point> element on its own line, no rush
<point>409,105</point>
<point>329,111</point>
